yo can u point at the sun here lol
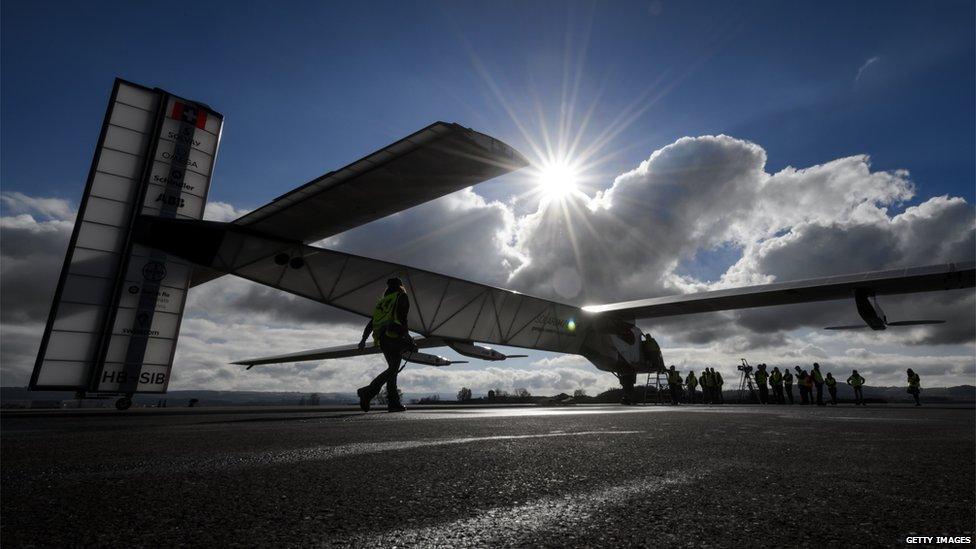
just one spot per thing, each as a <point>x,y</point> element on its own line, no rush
<point>557,180</point>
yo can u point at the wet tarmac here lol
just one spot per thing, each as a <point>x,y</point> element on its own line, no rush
<point>585,475</point>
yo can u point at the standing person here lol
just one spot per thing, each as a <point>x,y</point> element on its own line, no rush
<point>808,387</point>
<point>718,382</point>
<point>674,384</point>
<point>706,383</point>
<point>856,382</point>
<point>389,329</point>
<point>801,385</point>
<point>788,381</point>
<point>914,386</point>
<point>692,383</point>
<point>776,381</point>
<point>831,388</point>
<point>818,382</point>
<point>761,377</point>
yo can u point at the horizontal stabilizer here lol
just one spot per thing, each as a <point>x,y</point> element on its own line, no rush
<point>854,327</point>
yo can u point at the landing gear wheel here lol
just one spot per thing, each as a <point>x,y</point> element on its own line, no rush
<point>123,403</point>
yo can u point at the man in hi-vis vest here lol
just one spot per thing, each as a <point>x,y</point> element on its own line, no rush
<point>389,329</point>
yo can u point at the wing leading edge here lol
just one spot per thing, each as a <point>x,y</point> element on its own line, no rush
<point>435,161</point>
<point>896,281</point>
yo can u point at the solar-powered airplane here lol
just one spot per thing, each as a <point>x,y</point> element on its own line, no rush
<point>139,244</point>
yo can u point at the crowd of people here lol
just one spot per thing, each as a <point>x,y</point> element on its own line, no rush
<point>775,387</point>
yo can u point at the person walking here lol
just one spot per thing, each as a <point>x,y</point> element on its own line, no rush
<point>818,382</point>
<point>914,386</point>
<point>674,384</point>
<point>389,329</point>
<point>776,381</point>
<point>692,383</point>
<point>856,382</point>
<point>831,388</point>
<point>718,382</point>
<point>761,377</point>
<point>788,382</point>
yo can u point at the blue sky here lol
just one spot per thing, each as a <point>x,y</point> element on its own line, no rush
<point>307,87</point>
<point>315,86</point>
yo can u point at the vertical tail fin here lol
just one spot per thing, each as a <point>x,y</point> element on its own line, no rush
<point>116,313</point>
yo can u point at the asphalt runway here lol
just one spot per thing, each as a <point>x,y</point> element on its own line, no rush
<point>583,475</point>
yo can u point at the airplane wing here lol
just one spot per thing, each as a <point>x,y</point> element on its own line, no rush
<point>437,160</point>
<point>441,306</point>
<point>342,351</point>
<point>896,281</point>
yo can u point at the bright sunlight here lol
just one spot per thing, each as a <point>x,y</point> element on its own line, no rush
<point>557,180</point>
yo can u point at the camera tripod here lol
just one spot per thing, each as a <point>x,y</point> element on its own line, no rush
<point>745,381</point>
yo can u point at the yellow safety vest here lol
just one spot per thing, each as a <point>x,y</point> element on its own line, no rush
<point>855,381</point>
<point>384,316</point>
<point>914,380</point>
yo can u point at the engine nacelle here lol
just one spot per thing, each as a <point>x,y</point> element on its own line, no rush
<point>469,349</point>
<point>475,351</point>
<point>870,312</point>
<point>428,359</point>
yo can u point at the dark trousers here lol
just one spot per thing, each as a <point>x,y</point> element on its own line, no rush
<point>819,387</point>
<point>804,394</point>
<point>858,396</point>
<point>789,392</point>
<point>914,391</point>
<point>391,352</point>
<point>719,397</point>
<point>833,395</point>
<point>778,394</point>
<point>763,393</point>
<point>675,392</point>
<point>691,394</point>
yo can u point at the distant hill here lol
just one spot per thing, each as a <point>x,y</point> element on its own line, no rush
<point>19,397</point>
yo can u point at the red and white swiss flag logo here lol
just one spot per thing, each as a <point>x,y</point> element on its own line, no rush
<point>191,114</point>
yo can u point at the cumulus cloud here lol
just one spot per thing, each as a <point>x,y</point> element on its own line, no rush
<point>633,239</point>
<point>222,211</point>
<point>697,194</point>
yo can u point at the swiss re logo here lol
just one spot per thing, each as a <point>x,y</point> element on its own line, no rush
<point>189,114</point>
<point>154,271</point>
